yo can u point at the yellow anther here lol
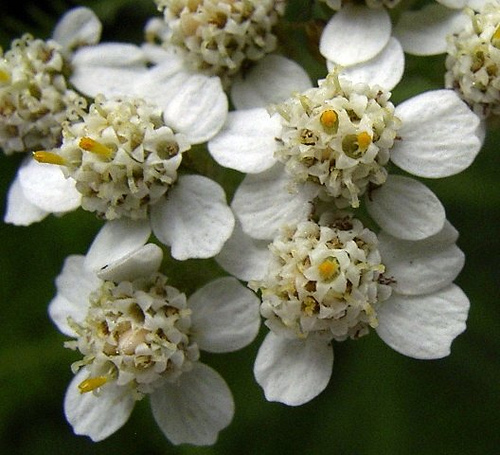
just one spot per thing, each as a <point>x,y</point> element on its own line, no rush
<point>4,76</point>
<point>364,140</point>
<point>495,39</point>
<point>92,383</point>
<point>329,119</point>
<point>49,158</point>
<point>88,144</point>
<point>328,268</point>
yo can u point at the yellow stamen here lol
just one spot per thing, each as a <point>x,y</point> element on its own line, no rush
<point>495,39</point>
<point>329,119</point>
<point>88,144</point>
<point>92,383</point>
<point>4,76</point>
<point>364,140</point>
<point>49,158</point>
<point>328,268</point>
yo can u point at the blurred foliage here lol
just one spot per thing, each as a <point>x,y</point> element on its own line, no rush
<point>378,401</point>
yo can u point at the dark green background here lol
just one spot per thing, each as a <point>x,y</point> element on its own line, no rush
<point>378,401</point>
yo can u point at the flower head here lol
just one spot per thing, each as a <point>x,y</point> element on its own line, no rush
<point>34,97</point>
<point>139,336</point>
<point>473,60</point>
<point>336,141</point>
<point>218,37</point>
<point>333,279</point>
<point>119,161</point>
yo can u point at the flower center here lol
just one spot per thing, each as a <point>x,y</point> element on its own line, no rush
<point>338,135</point>
<point>218,37</point>
<point>34,98</point>
<point>121,155</point>
<point>325,279</point>
<point>473,60</point>
<point>135,333</point>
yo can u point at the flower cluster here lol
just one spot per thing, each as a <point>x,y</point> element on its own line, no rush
<point>329,234</point>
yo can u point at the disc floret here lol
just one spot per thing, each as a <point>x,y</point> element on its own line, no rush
<point>34,97</point>
<point>325,279</point>
<point>218,37</point>
<point>338,135</point>
<point>136,334</point>
<point>121,155</point>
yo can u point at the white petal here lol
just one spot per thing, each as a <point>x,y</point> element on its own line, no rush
<point>97,416</point>
<point>293,371</point>
<point>112,69</point>
<point>78,27</point>
<point>476,5</point>
<point>456,4</point>
<point>20,211</point>
<point>116,240</point>
<point>406,209</point>
<point>45,186</point>
<point>140,263</point>
<point>247,141</point>
<point>194,409</point>
<point>355,34</point>
<point>423,327</point>
<point>225,315</point>
<point>424,31</point>
<point>74,285</point>
<point>385,69</point>
<point>272,80</point>
<point>422,266</point>
<point>192,103</point>
<point>264,202</point>
<point>244,257</point>
<point>438,135</point>
<point>194,219</point>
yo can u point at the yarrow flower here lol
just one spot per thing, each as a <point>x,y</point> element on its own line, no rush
<point>473,60</point>
<point>333,280</point>
<point>122,160</point>
<point>140,336</point>
<point>335,142</point>
<point>217,37</point>
<point>34,96</point>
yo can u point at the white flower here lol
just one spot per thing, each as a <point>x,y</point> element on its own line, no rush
<point>34,94</point>
<point>139,336</point>
<point>333,280</point>
<point>217,37</point>
<point>473,60</point>
<point>119,161</point>
<point>335,141</point>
